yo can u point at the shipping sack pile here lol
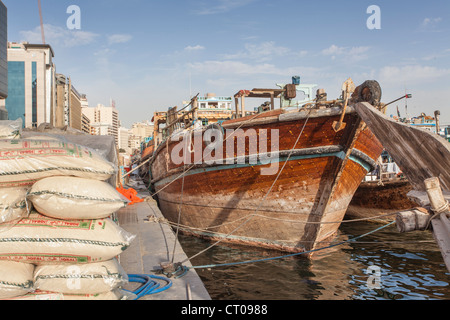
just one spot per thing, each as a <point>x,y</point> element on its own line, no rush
<point>57,238</point>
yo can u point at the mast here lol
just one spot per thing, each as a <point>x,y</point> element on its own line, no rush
<point>42,23</point>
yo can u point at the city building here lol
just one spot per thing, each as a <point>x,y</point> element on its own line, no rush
<point>69,103</point>
<point>103,120</point>
<point>31,83</point>
<point>142,130</point>
<point>124,134</point>
<point>85,122</point>
<point>75,113</point>
<point>212,108</point>
<point>3,61</point>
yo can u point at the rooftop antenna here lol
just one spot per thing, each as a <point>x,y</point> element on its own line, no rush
<point>42,23</point>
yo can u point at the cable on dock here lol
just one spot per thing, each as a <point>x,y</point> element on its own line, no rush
<point>149,285</point>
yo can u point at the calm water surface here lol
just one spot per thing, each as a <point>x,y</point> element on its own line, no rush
<point>381,266</point>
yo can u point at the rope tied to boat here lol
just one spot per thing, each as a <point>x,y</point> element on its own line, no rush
<point>294,254</point>
<point>442,209</point>
<point>437,212</point>
<point>156,219</point>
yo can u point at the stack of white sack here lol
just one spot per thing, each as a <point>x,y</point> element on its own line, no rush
<point>13,205</point>
<point>69,236</point>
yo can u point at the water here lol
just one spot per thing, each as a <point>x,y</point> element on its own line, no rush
<point>381,266</point>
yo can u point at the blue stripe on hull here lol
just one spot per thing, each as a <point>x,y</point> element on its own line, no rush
<point>339,154</point>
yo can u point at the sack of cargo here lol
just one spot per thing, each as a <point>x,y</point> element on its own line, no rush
<point>90,278</point>
<point>46,295</point>
<point>13,204</point>
<point>23,162</point>
<point>75,198</point>
<point>39,239</point>
<point>11,129</point>
<point>16,279</point>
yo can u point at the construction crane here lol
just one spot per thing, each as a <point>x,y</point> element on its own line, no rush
<point>42,23</point>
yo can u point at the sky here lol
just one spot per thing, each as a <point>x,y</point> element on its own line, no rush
<point>149,55</point>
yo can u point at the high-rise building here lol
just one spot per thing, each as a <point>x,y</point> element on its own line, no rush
<point>69,103</point>
<point>142,130</point>
<point>75,114</point>
<point>124,135</point>
<point>85,122</point>
<point>104,120</point>
<point>62,101</point>
<point>31,83</point>
<point>3,60</point>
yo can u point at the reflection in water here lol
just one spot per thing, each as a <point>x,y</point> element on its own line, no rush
<point>384,265</point>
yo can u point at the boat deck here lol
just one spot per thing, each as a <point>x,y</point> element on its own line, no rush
<point>154,245</point>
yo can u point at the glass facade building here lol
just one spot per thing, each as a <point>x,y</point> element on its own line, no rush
<point>3,52</point>
<point>32,90</point>
<point>3,60</point>
<point>34,94</point>
<point>15,104</point>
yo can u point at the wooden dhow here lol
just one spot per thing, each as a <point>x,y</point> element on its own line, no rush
<point>290,196</point>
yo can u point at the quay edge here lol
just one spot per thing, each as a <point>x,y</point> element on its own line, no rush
<point>154,245</point>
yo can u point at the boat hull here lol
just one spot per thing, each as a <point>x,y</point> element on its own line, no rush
<point>380,202</point>
<point>298,208</point>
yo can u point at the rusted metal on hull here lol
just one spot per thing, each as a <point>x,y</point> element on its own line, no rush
<point>305,205</point>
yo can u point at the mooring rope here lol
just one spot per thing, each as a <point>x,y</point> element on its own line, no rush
<point>293,254</point>
<point>173,224</point>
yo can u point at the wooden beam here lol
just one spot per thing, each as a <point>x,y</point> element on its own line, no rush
<point>353,131</point>
<point>419,153</point>
<point>272,102</point>
<point>441,233</point>
<point>411,220</point>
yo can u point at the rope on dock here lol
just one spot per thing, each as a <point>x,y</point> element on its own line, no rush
<point>293,254</point>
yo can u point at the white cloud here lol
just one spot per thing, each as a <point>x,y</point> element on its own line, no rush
<point>232,69</point>
<point>411,75</point>
<point>194,48</point>
<point>55,35</point>
<point>430,24</point>
<point>119,38</point>
<point>353,53</point>
<point>264,51</point>
<point>221,6</point>
<point>431,21</point>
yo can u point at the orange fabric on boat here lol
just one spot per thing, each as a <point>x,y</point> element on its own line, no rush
<point>130,194</point>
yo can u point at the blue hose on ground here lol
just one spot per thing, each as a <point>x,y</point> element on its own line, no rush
<point>149,285</point>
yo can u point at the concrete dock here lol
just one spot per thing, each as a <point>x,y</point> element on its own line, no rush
<point>153,245</point>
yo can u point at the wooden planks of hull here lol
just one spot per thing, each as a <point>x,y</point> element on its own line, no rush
<point>307,201</point>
